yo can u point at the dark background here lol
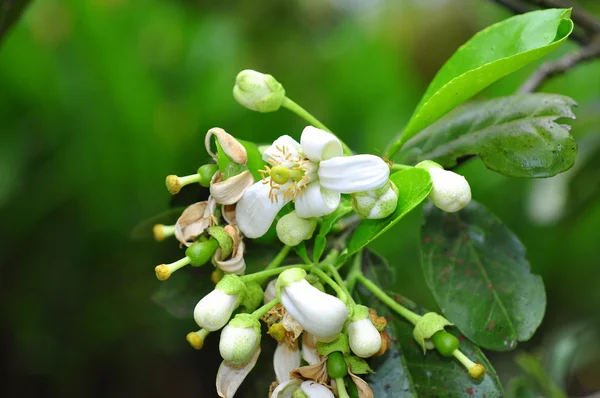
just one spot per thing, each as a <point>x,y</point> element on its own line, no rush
<point>101,99</point>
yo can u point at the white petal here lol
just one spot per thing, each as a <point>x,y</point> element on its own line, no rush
<point>230,377</point>
<point>309,349</point>
<point>319,313</point>
<point>270,294</point>
<point>214,310</point>
<point>364,339</point>
<point>319,145</point>
<point>284,361</point>
<point>273,154</point>
<point>316,201</point>
<point>255,212</point>
<point>349,174</point>
<point>315,390</point>
<point>286,390</point>
<point>451,192</point>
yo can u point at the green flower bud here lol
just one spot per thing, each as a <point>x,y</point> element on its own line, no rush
<point>292,230</point>
<point>258,91</point>
<point>426,327</point>
<point>376,203</point>
<point>206,173</point>
<point>199,253</point>
<point>336,365</point>
<point>240,339</point>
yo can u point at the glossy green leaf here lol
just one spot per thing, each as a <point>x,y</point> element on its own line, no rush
<point>327,224</point>
<point>404,371</point>
<point>413,187</point>
<point>488,56</point>
<point>478,274</point>
<point>516,136</point>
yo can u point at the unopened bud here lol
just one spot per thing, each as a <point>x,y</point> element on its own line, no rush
<point>258,91</point>
<point>292,230</point>
<point>376,203</point>
<point>450,192</point>
<point>240,339</point>
<point>364,338</point>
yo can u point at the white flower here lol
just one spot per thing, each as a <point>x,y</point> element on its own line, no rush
<point>309,388</point>
<point>313,174</point>
<point>364,338</point>
<point>215,309</point>
<point>451,192</point>
<point>240,339</point>
<point>319,313</point>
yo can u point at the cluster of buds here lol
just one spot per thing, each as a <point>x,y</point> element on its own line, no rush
<point>249,190</point>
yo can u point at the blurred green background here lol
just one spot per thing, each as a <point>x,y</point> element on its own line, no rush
<point>101,99</point>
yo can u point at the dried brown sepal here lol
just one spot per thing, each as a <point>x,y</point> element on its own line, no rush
<point>194,220</point>
<point>385,343</point>
<point>378,321</point>
<point>317,372</point>
<point>364,390</point>
<point>232,147</point>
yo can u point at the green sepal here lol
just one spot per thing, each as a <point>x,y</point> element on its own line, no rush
<point>232,285</point>
<point>223,238</point>
<point>357,365</point>
<point>427,326</point>
<point>339,344</point>
<point>253,297</point>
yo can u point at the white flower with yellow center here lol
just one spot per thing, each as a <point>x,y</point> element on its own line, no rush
<point>312,173</point>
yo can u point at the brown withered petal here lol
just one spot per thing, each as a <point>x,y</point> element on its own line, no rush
<point>232,189</point>
<point>385,343</point>
<point>235,235</point>
<point>194,220</point>
<point>364,390</point>
<point>232,147</point>
<point>228,213</point>
<point>317,372</point>
<point>234,265</point>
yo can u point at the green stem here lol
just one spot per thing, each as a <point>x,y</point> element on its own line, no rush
<point>278,259</point>
<point>304,114</point>
<point>261,275</point>
<point>398,167</point>
<point>341,388</point>
<point>387,300</point>
<point>265,308</point>
<point>354,272</point>
<point>339,291</point>
<point>340,282</point>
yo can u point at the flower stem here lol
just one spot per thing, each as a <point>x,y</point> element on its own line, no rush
<point>398,167</point>
<point>387,300</point>
<point>340,281</point>
<point>261,275</point>
<point>341,388</point>
<point>354,272</point>
<point>265,308</point>
<point>279,257</point>
<point>338,289</point>
<point>304,114</point>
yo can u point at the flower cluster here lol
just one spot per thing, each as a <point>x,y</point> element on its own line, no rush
<point>290,188</point>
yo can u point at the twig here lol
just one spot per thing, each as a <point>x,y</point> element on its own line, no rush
<point>554,68</point>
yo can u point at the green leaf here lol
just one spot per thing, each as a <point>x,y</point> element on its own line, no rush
<point>516,136</point>
<point>328,222</point>
<point>10,11</point>
<point>488,56</point>
<point>413,186</point>
<point>404,371</point>
<point>478,274</point>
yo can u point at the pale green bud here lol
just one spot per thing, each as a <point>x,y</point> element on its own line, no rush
<point>240,339</point>
<point>426,327</point>
<point>450,191</point>
<point>376,203</point>
<point>258,91</point>
<point>292,230</point>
